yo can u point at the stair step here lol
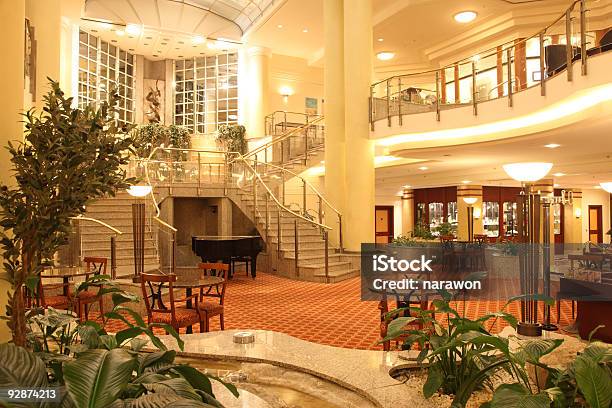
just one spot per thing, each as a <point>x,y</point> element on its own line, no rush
<point>338,273</point>
<point>333,267</point>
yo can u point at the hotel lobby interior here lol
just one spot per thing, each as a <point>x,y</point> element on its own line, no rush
<point>322,204</point>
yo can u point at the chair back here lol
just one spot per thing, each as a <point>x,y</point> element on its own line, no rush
<point>220,270</point>
<point>480,239</point>
<point>152,295</point>
<point>38,299</point>
<point>96,264</point>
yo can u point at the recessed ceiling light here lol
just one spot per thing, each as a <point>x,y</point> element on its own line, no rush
<point>423,168</point>
<point>380,39</point>
<point>552,145</point>
<point>556,185</point>
<point>466,181</point>
<point>558,174</point>
<point>385,55</point>
<point>133,29</point>
<point>465,16</point>
<point>407,186</point>
<point>120,33</point>
<point>305,30</point>
<point>279,26</point>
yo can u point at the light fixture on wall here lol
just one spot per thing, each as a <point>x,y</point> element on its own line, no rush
<point>607,186</point>
<point>578,212</point>
<point>476,213</point>
<point>285,91</point>
<point>470,200</point>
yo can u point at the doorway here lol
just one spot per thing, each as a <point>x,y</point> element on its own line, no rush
<point>384,224</point>
<point>595,224</point>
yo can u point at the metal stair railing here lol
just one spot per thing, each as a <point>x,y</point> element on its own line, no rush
<point>236,171</point>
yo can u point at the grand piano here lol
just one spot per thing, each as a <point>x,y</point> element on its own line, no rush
<point>594,301</point>
<point>228,249</point>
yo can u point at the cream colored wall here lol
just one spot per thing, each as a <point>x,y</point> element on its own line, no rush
<point>304,80</point>
<point>595,197</point>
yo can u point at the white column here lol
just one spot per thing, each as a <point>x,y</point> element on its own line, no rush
<point>11,103</point>
<point>333,80</point>
<point>359,153</point>
<point>254,90</point>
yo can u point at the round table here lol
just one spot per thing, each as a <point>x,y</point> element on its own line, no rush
<point>66,273</point>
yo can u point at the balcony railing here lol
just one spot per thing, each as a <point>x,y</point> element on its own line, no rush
<point>498,72</point>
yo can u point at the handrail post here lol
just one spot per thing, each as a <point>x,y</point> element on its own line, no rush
<point>304,197</point>
<point>226,176</point>
<point>583,51</point>
<point>438,96</point>
<point>113,257</point>
<point>372,108</point>
<point>568,44</point>
<point>388,103</point>
<point>399,99</point>
<point>267,216</point>
<point>474,103</point>
<point>199,172</point>
<point>279,231</point>
<point>306,144</point>
<point>171,171</point>
<point>296,247</point>
<point>340,233</point>
<point>283,186</point>
<point>255,197</point>
<point>542,66</point>
<point>173,265</point>
<point>320,210</point>
<point>326,239</point>
<point>509,60</point>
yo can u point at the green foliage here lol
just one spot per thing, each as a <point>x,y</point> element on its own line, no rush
<point>407,241</point>
<point>100,369</point>
<point>149,136</point>
<point>464,356</point>
<point>508,248</point>
<point>68,158</point>
<point>446,228</point>
<point>232,138</point>
<point>422,232</point>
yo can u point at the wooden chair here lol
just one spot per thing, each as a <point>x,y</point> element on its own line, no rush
<point>448,252</point>
<point>63,300</point>
<point>158,312</point>
<point>97,266</point>
<point>213,308</point>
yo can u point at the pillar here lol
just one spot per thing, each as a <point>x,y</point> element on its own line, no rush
<point>359,158</point>
<point>255,89</point>
<point>572,223</point>
<point>11,104</point>
<point>464,191</point>
<point>333,79</point>
<point>407,211</point>
<point>520,63</point>
<point>56,25</point>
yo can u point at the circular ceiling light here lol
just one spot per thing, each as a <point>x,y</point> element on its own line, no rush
<point>527,172</point>
<point>465,17</point>
<point>385,55</point>
<point>139,191</point>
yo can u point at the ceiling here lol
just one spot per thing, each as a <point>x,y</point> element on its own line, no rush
<point>583,165</point>
<point>167,29</point>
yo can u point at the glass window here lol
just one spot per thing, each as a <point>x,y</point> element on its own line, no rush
<point>510,228</point>
<point>557,218</point>
<point>490,218</point>
<point>451,213</point>
<point>436,215</point>
<point>420,215</point>
<point>206,92</point>
<point>103,67</point>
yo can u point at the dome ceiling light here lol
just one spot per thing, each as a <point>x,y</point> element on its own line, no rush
<point>385,55</point>
<point>465,17</point>
<point>528,171</point>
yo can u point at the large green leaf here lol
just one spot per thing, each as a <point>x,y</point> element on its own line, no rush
<point>435,378</point>
<point>594,382</point>
<point>21,368</point>
<point>531,351</point>
<point>160,401</point>
<point>97,377</point>
<point>178,386</point>
<point>155,359</point>
<point>517,396</point>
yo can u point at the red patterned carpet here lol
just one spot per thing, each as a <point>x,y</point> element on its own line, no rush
<point>330,314</point>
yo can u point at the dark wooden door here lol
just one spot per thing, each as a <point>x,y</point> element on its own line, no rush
<point>595,224</point>
<point>384,223</point>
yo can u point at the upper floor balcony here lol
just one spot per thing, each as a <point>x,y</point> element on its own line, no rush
<point>518,87</point>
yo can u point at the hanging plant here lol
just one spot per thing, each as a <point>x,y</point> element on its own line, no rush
<point>231,137</point>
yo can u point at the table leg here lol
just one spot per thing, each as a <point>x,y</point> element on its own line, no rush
<point>65,285</point>
<point>253,266</point>
<point>188,305</point>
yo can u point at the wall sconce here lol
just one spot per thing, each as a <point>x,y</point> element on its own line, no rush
<point>470,200</point>
<point>286,92</point>
<point>476,213</point>
<point>578,212</point>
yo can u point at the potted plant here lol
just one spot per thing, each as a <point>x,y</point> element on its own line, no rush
<point>505,260</point>
<point>232,138</point>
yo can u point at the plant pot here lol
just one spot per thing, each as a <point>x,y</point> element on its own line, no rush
<point>505,266</point>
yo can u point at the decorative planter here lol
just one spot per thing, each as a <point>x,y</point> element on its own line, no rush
<point>505,266</point>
